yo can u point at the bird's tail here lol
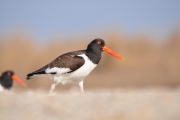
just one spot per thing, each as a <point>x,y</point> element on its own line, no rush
<point>31,75</point>
<point>37,72</point>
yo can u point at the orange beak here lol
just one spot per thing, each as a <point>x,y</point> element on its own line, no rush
<point>106,49</point>
<point>15,78</point>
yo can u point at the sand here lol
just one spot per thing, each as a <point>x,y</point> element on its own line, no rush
<point>117,104</point>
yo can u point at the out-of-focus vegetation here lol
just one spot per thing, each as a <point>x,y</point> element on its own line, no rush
<point>147,62</point>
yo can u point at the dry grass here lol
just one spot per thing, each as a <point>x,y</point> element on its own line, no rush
<point>146,63</point>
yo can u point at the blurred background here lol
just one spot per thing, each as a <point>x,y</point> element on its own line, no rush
<point>145,33</point>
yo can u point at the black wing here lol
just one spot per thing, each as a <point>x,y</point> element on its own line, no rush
<point>69,60</point>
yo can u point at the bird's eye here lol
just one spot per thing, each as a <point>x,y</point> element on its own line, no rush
<point>99,42</point>
<point>9,74</point>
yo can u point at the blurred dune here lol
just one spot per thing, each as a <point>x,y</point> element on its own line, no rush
<point>147,62</point>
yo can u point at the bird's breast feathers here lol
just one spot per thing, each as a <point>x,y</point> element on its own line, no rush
<point>86,68</point>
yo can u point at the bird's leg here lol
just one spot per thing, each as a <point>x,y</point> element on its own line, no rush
<point>81,86</point>
<point>52,88</point>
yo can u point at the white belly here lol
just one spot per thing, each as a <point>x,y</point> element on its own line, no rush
<point>78,75</point>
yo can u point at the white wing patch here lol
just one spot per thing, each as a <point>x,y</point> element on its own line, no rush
<point>57,70</point>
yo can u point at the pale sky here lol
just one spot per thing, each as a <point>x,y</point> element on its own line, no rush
<point>48,17</point>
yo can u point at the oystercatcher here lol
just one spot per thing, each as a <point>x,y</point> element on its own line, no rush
<point>6,80</point>
<point>73,67</point>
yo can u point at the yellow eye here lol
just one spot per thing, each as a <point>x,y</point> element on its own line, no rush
<point>99,42</point>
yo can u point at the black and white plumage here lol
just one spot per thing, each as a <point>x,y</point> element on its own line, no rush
<point>74,66</point>
<point>6,80</point>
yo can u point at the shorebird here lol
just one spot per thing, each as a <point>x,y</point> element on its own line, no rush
<point>6,80</point>
<point>73,67</point>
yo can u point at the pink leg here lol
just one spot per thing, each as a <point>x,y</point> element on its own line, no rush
<point>81,86</point>
<point>52,88</point>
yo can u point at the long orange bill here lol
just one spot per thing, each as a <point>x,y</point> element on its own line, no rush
<point>106,49</point>
<point>15,78</point>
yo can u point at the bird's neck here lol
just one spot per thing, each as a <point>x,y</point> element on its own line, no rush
<point>94,56</point>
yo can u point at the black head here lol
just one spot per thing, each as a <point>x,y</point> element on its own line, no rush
<point>8,73</point>
<point>95,49</point>
<point>96,46</point>
<point>7,78</point>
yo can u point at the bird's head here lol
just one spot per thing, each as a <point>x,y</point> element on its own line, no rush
<point>98,45</point>
<point>10,74</point>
